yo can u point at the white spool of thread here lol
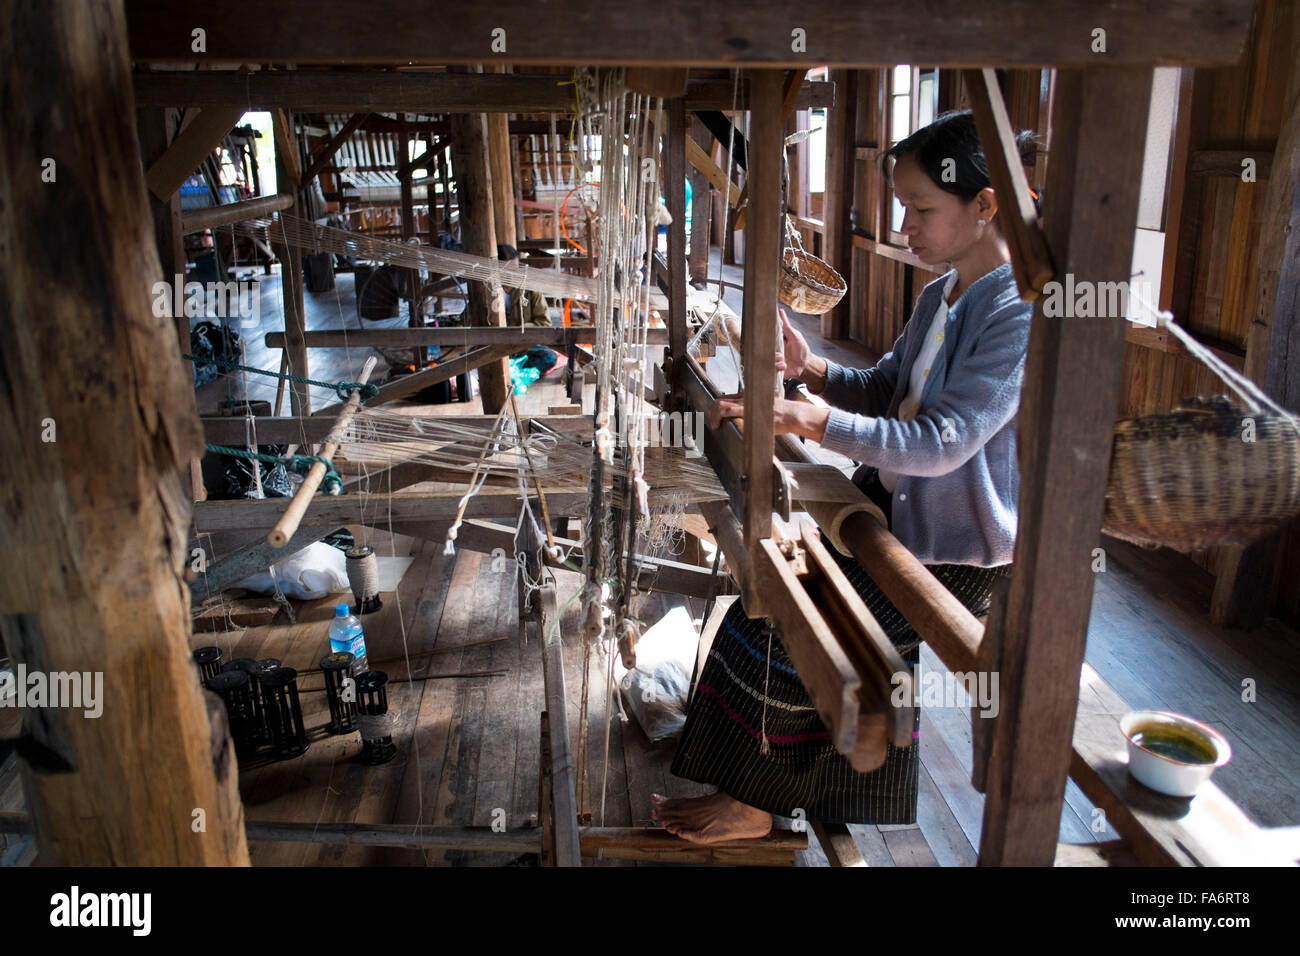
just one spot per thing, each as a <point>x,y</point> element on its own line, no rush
<point>363,576</point>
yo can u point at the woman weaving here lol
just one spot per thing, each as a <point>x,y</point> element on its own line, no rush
<point>934,425</point>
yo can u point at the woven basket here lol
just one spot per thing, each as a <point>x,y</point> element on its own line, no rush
<point>1189,479</point>
<point>808,284</point>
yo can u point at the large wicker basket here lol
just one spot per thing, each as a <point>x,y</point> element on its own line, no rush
<point>1193,478</point>
<point>808,284</point>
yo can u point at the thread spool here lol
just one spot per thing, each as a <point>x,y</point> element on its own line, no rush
<point>373,719</point>
<point>336,667</point>
<point>231,686</point>
<point>284,712</point>
<point>363,576</point>
<point>209,661</point>
<point>254,671</point>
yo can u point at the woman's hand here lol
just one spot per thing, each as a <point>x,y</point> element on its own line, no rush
<point>797,352</point>
<point>799,361</point>
<point>788,417</point>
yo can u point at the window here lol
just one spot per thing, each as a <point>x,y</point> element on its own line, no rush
<point>913,103</point>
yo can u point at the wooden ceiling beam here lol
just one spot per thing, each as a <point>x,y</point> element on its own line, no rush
<point>750,33</point>
<point>341,91</point>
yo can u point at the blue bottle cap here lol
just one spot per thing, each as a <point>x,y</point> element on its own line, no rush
<point>340,610</point>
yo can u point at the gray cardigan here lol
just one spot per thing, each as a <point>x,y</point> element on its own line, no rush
<point>955,499</point>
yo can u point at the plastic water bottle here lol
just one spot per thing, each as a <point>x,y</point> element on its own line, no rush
<point>346,635</point>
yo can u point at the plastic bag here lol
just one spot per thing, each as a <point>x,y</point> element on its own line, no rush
<point>655,691</point>
<point>316,571</point>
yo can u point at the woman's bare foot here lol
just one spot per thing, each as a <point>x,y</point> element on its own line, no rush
<point>711,819</point>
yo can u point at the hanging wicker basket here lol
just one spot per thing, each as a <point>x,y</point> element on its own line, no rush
<point>1210,472</point>
<point>808,285</point>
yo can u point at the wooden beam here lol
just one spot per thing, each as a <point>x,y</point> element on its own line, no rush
<point>675,189</point>
<point>332,91</point>
<point>838,844</point>
<point>200,137</point>
<point>326,153</point>
<point>563,790</point>
<point>837,203</point>
<point>288,523</point>
<point>230,429</point>
<point>291,297</point>
<point>95,548</point>
<point>839,33</point>
<point>709,169</point>
<point>1031,260</point>
<point>480,358</point>
<point>1067,411</point>
<point>286,146</point>
<point>156,133</point>
<point>469,145</point>
<point>1229,162</point>
<point>503,184</point>
<point>343,509</point>
<point>763,241</point>
<point>516,339</point>
<point>209,217</point>
<point>1160,340</point>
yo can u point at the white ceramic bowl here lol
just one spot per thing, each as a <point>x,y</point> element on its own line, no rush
<point>1177,778</point>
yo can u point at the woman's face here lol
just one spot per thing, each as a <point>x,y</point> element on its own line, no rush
<point>939,226</point>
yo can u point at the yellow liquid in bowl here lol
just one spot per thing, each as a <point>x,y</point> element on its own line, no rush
<point>1174,743</point>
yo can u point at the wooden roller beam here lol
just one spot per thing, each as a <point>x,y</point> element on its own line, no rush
<point>288,524</point>
<point>196,220</point>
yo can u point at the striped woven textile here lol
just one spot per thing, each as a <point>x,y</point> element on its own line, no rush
<point>802,771</point>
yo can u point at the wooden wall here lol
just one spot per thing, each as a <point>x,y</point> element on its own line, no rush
<point>1212,274</point>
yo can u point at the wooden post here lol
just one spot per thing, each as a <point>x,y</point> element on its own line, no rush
<point>157,129</point>
<point>1067,412</point>
<point>96,460</point>
<point>286,179</point>
<point>701,204</point>
<point>563,796</point>
<point>503,188</point>
<point>675,192</point>
<point>837,204</point>
<point>470,158</point>
<point>762,263</point>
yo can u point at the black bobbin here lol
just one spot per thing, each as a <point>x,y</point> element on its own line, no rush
<point>232,687</point>
<point>209,661</point>
<point>336,667</point>
<point>372,718</point>
<point>283,712</point>
<point>254,671</point>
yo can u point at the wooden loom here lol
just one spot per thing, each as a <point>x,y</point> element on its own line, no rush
<point>1035,631</point>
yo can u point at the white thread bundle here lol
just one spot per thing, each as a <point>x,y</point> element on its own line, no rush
<point>363,573</point>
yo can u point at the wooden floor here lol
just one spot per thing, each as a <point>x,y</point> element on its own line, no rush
<point>469,693</point>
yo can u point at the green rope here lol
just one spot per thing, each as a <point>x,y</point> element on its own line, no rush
<point>341,389</point>
<point>298,464</point>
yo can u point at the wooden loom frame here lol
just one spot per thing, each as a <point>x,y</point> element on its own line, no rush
<point>1037,630</point>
